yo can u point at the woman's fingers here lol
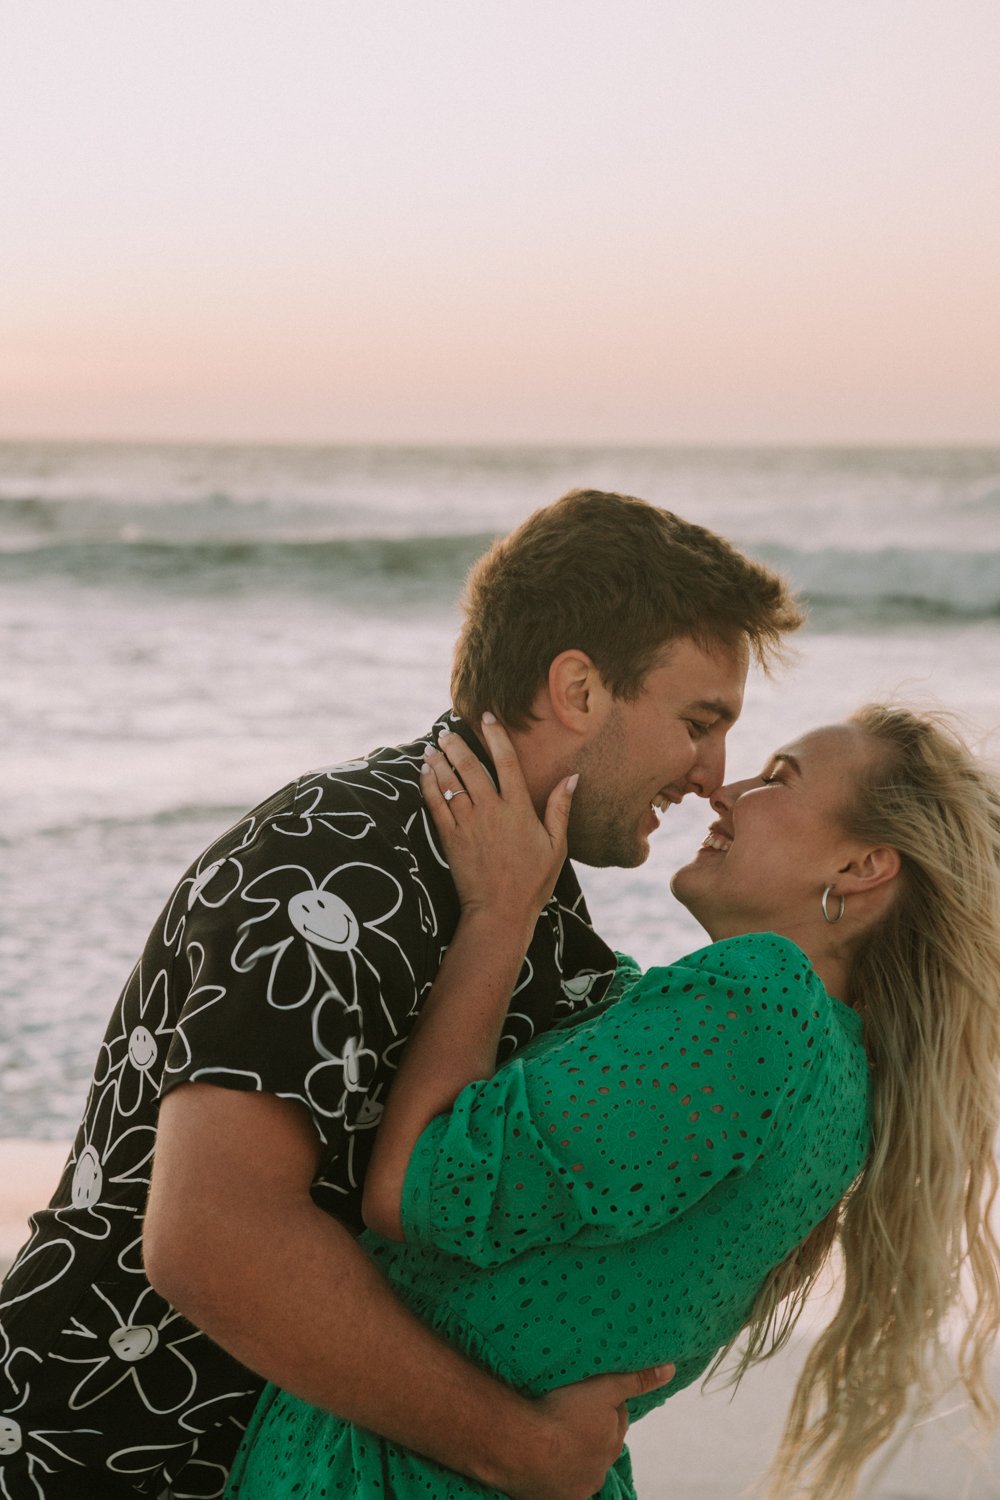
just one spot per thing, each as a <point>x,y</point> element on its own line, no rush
<point>441,787</point>
<point>444,772</point>
<point>469,770</point>
<point>557,810</point>
<point>509,773</point>
<point>503,857</point>
<point>458,771</point>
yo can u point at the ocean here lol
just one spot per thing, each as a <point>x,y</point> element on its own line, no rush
<point>185,628</point>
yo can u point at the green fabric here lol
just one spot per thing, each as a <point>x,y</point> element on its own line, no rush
<point>612,1198</point>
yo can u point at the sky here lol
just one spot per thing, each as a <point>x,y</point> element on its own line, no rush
<point>646,221</point>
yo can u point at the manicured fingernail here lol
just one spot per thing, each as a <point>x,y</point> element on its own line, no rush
<point>664,1373</point>
<point>445,734</point>
<point>425,769</point>
<point>430,750</point>
<point>571,783</point>
<point>489,718</point>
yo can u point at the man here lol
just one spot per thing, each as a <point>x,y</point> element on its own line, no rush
<point>255,1041</point>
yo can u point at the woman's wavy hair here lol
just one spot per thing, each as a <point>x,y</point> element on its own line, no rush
<point>914,1234</point>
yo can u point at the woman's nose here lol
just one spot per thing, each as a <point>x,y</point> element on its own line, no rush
<point>724,798</point>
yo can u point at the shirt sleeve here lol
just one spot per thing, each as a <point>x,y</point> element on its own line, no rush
<point>626,976</point>
<point>294,968</point>
<point>629,1117</point>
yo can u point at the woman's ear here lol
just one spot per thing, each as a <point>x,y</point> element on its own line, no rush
<point>868,871</point>
<point>579,699</point>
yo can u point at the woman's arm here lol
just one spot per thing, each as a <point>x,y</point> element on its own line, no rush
<point>623,1121</point>
<point>504,862</point>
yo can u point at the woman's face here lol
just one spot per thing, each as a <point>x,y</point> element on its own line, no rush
<point>779,839</point>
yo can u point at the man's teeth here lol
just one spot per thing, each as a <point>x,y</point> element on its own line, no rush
<point>661,802</point>
<point>718,842</point>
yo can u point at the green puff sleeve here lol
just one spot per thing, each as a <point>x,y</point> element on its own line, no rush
<point>619,1123</point>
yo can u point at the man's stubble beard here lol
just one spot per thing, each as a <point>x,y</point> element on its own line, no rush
<point>602,824</point>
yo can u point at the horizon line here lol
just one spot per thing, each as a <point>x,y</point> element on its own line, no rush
<point>506,444</point>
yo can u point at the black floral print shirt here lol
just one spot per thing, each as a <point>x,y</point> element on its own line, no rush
<point>291,958</point>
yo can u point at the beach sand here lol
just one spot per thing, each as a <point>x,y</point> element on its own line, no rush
<point>701,1446</point>
<point>712,1446</point>
<point>29,1174</point>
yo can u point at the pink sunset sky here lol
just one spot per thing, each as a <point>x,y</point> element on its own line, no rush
<point>707,221</point>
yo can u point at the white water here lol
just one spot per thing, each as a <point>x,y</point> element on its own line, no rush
<point>183,630</point>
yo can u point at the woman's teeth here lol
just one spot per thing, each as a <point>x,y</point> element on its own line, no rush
<point>717,842</point>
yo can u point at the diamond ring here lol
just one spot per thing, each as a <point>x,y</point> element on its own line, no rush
<point>455,792</point>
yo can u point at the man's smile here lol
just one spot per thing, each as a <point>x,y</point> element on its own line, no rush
<point>665,799</point>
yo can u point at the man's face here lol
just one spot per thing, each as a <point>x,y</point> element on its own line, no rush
<point>651,752</point>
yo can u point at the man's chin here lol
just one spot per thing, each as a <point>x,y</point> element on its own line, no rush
<point>621,857</point>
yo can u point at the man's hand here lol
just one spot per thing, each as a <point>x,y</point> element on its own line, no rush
<point>586,1425</point>
<point>235,1242</point>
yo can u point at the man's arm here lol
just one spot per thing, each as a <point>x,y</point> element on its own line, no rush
<point>234,1241</point>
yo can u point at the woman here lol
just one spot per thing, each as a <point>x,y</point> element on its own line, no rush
<point>675,1167</point>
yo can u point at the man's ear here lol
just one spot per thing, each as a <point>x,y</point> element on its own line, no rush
<point>579,699</point>
<point>868,871</point>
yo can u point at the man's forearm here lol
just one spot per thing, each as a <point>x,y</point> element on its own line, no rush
<point>293,1297</point>
<point>234,1241</point>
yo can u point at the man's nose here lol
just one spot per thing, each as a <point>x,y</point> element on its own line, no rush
<point>705,776</point>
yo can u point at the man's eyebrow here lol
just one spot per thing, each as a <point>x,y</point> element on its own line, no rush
<point>713,706</point>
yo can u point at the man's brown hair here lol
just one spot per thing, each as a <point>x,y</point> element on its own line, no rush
<point>614,577</point>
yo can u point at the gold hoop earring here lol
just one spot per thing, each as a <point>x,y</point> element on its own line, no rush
<point>840,909</point>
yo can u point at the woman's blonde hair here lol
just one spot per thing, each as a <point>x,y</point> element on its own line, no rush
<point>914,1233</point>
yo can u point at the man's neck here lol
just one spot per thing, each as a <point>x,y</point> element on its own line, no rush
<point>544,759</point>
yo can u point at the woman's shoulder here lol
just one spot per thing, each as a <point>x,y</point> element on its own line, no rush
<point>757,958</point>
<point>759,971</point>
